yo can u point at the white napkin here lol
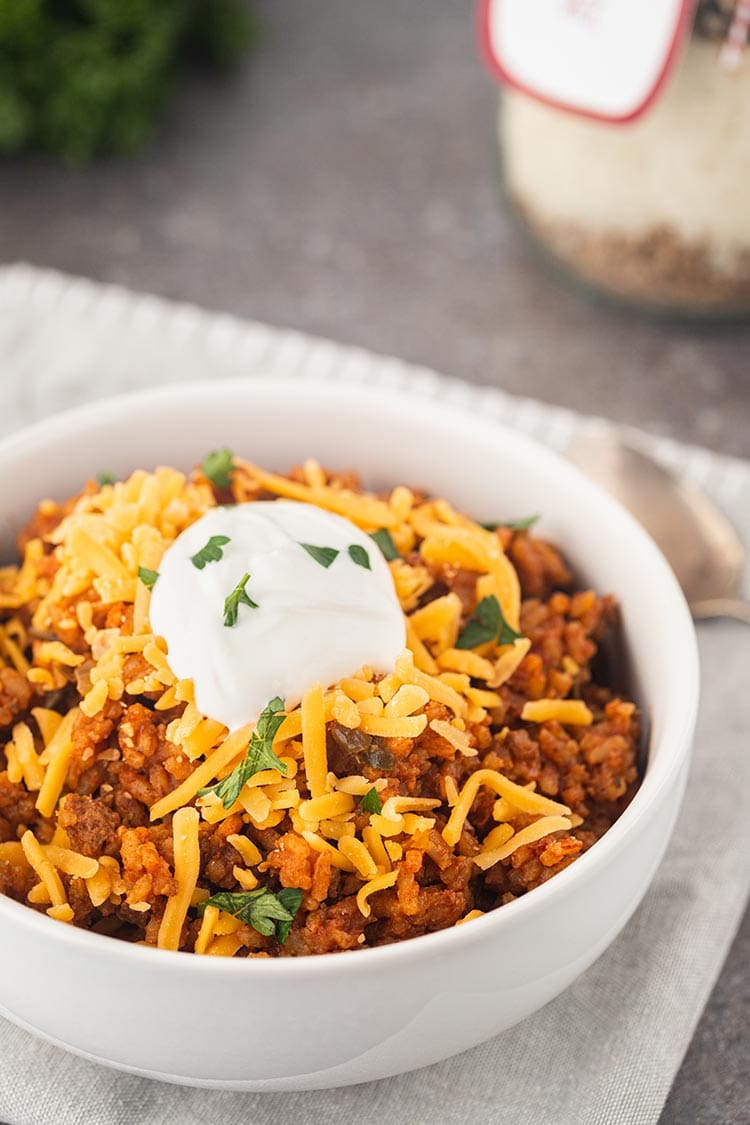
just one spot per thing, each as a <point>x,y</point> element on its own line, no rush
<point>607,1050</point>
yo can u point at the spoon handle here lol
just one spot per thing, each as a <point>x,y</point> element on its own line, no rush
<point>737,608</point>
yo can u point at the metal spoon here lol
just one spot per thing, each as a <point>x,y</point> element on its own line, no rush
<point>697,539</point>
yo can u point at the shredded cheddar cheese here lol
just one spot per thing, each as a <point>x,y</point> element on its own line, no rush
<point>44,868</point>
<point>459,739</point>
<point>379,883</point>
<point>358,855</point>
<point>509,661</point>
<point>206,932</point>
<point>224,946</point>
<point>521,798</point>
<point>203,775</point>
<point>529,835</point>
<point>470,917</point>
<point>337,857</point>
<point>58,753</point>
<point>571,711</point>
<point>186,870</point>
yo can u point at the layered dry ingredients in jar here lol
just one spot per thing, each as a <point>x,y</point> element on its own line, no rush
<point>656,211</point>
<point>252,715</point>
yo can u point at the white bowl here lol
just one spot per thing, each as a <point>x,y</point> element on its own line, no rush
<point>307,1023</point>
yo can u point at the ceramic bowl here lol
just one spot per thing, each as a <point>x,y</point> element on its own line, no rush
<point>322,1021</point>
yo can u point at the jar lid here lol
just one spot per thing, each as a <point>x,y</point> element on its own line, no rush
<point>605,59</point>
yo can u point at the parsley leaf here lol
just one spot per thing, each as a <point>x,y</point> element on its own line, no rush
<point>291,899</point>
<point>371,802</point>
<point>266,912</point>
<point>233,601</point>
<point>485,624</point>
<point>507,636</point>
<point>212,552</point>
<point>522,525</point>
<point>218,466</point>
<point>384,540</point>
<point>512,525</point>
<point>259,755</point>
<point>359,556</point>
<point>105,478</point>
<point>322,555</point>
<point>148,577</point>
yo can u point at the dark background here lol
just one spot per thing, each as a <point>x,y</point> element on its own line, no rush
<point>346,183</point>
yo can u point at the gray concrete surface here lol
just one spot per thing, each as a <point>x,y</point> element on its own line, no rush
<point>346,183</point>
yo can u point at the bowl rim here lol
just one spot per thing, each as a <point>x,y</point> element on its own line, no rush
<point>675,742</point>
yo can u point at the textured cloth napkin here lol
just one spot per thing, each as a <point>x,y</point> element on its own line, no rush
<point>607,1050</point>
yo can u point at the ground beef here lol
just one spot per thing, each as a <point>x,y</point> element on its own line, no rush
<point>329,929</point>
<point>16,808</point>
<point>540,566</point>
<point>530,866</point>
<point>92,826</point>
<point>294,861</point>
<point>15,695</point>
<point>64,625</point>
<point>147,873</point>
<point>16,882</point>
<point>218,856</point>
<point>435,908</point>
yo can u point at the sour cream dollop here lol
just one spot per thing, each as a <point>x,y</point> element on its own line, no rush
<point>312,624</point>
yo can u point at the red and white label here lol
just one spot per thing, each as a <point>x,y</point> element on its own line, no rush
<point>601,58</point>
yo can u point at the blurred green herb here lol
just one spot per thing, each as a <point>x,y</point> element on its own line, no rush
<point>218,466</point>
<point>268,913</point>
<point>371,802</point>
<point>487,623</point>
<point>322,555</point>
<point>239,596</point>
<point>360,556</point>
<point>259,755</point>
<point>148,577</point>
<point>513,525</point>
<point>384,540</point>
<point>212,552</point>
<point>83,77</point>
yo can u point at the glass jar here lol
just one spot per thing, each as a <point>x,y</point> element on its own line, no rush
<point>656,212</point>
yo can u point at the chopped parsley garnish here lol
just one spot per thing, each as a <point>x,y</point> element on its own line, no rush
<point>218,466</point>
<point>359,556</point>
<point>212,552</point>
<point>326,555</point>
<point>233,601</point>
<point>507,635</point>
<point>513,525</point>
<point>291,899</point>
<point>148,577</point>
<point>371,802</point>
<point>322,555</point>
<point>259,756</point>
<point>384,540</point>
<point>523,524</point>
<point>105,478</point>
<point>486,623</point>
<point>266,912</point>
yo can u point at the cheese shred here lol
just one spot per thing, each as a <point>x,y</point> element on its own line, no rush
<point>187,859</point>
